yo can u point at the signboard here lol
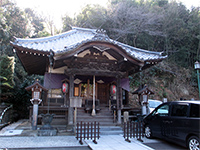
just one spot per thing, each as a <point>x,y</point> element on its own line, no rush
<point>76,102</point>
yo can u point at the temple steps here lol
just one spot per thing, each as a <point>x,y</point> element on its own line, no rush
<point>104,116</point>
<point>110,130</point>
<point>105,119</point>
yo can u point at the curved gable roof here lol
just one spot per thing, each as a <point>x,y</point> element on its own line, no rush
<point>76,37</point>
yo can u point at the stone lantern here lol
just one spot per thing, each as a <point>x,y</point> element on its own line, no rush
<point>143,94</point>
<point>36,89</point>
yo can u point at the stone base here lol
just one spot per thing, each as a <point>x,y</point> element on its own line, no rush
<point>43,132</point>
<point>70,128</point>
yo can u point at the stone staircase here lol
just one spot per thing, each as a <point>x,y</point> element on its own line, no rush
<point>105,119</point>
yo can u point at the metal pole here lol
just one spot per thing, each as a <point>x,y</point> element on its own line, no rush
<point>198,82</point>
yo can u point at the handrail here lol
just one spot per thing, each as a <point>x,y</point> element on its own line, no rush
<point>3,112</point>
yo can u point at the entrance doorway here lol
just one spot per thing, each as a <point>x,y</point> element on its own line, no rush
<point>103,93</point>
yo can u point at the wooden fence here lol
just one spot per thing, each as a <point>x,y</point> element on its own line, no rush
<point>133,130</point>
<point>87,130</point>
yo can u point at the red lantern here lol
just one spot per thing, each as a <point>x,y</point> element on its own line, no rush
<point>65,87</point>
<point>113,89</point>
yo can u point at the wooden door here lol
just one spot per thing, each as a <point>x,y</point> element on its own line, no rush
<point>103,93</point>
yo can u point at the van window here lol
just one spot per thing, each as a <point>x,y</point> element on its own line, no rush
<point>195,110</point>
<point>162,111</point>
<point>179,110</point>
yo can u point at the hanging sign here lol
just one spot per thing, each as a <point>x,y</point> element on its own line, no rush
<point>65,87</point>
<point>76,102</point>
<point>113,89</point>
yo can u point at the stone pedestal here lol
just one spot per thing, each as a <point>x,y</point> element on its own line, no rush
<point>47,129</point>
<point>35,112</point>
<point>144,110</point>
<point>119,121</point>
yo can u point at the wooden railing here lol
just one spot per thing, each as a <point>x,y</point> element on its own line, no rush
<point>133,130</point>
<point>87,130</point>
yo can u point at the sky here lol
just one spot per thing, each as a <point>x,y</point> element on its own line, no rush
<point>56,9</point>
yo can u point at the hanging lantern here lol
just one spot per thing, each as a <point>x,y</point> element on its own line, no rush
<point>113,89</point>
<point>65,87</point>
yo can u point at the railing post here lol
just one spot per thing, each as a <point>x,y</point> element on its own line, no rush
<point>134,129</point>
<point>77,131</point>
<point>140,131</point>
<point>124,130</point>
<point>84,130</point>
<point>91,130</point>
<point>131,129</point>
<point>88,131</point>
<point>81,132</point>
<point>95,133</point>
<point>127,131</point>
<point>98,130</point>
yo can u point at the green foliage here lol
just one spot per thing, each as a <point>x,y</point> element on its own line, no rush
<point>67,23</point>
<point>7,68</point>
<point>13,79</point>
<point>6,77</point>
<point>157,25</point>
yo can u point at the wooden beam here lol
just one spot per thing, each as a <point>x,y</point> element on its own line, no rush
<point>95,72</point>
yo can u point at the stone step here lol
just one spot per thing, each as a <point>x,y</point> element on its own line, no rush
<point>59,122</point>
<point>104,116</point>
<point>97,112</point>
<point>96,116</point>
<point>110,130</point>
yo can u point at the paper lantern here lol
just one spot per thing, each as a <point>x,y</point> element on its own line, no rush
<point>113,89</point>
<point>65,87</point>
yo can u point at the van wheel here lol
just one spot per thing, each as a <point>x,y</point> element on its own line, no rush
<point>148,132</point>
<point>193,143</point>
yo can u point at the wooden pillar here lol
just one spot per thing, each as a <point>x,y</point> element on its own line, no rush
<point>119,100</point>
<point>88,87</point>
<point>93,106</point>
<point>71,94</point>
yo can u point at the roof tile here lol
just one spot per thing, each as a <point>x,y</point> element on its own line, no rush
<point>69,40</point>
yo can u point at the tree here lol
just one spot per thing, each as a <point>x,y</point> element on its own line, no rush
<point>6,77</point>
<point>92,16</point>
<point>16,23</point>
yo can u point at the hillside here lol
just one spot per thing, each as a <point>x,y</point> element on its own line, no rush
<point>167,81</point>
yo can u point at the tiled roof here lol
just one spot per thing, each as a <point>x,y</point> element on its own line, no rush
<point>77,36</point>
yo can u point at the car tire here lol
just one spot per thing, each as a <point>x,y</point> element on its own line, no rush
<point>148,132</point>
<point>193,143</point>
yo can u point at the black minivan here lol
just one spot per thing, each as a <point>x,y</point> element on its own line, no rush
<point>177,121</point>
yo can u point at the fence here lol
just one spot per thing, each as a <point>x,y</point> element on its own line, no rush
<point>133,130</point>
<point>87,130</point>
